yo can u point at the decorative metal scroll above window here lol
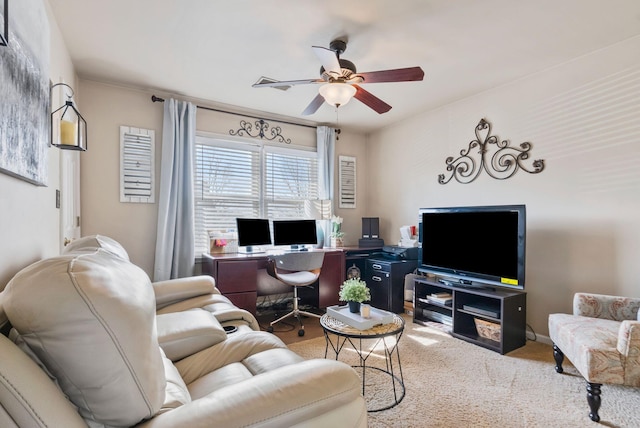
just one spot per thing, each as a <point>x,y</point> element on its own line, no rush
<point>501,164</point>
<point>262,127</point>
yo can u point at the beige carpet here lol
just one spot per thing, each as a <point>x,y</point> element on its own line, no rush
<point>451,383</point>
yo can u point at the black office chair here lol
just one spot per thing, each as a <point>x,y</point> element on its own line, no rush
<point>297,269</point>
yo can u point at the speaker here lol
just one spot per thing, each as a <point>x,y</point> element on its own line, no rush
<point>370,227</point>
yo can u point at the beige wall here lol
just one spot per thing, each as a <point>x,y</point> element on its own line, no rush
<point>28,214</point>
<point>353,144</point>
<point>107,107</point>
<point>582,210</point>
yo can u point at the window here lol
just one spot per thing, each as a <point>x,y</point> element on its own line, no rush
<point>238,179</point>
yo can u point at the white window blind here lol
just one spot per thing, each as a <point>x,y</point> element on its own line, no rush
<point>248,180</point>
<point>227,185</point>
<point>137,170</point>
<point>291,177</point>
<point>347,181</point>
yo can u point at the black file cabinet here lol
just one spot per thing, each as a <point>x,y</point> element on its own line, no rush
<point>385,279</point>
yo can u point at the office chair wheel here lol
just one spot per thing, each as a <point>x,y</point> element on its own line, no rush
<point>270,329</point>
<point>301,332</point>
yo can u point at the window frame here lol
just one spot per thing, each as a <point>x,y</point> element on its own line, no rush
<point>262,148</point>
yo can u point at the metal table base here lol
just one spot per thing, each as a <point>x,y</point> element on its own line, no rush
<point>338,334</point>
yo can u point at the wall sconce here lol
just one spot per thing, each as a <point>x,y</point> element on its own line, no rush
<point>4,32</point>
<point>68,127</point>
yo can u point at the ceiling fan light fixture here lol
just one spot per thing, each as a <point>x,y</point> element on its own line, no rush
<point>337,93</point>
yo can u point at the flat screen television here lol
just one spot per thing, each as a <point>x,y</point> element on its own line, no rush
<point>474,246</point>
<point>253,232</point>
<point>294,232</point>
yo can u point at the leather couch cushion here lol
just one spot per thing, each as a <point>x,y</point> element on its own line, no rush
<point>184,333</point>
<point>177,393</point>
<point>94,242</point>
<point>175,291</point>
<point>90,319</point>
<point>28,396</point>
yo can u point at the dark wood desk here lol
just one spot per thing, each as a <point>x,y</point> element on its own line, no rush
<point>236,276</point>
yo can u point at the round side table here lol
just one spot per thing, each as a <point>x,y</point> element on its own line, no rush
<point>385,337</point>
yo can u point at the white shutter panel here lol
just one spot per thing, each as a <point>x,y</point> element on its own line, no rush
<point>137,166</point>
<point>347,181</point>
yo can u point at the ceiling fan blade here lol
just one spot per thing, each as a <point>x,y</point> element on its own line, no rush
<point>328,59</point>
<point>371,100</point>
<point>314,105</point>
<point>271,83</point>
<point>398,75</point>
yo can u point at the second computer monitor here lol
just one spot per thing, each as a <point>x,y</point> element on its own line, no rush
<point>295,233</point>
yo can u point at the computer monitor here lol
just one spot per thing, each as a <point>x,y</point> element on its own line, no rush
<point>295,233</point>
<point>253,232</point>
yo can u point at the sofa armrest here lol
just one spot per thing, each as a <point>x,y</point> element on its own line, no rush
<point>291,395</point>
<point>629,339</point>
<point>629,346</point>
<point>28,395</point>
<point>175,290</point>
<point>603,306</point>
<point>181,334</point>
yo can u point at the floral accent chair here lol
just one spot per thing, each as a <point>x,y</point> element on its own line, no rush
<point>602,340</point>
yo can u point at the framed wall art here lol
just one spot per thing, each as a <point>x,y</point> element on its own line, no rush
<point>24,92</point>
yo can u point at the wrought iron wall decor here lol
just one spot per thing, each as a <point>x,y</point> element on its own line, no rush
<point>502,164</point>
<point>262,127</point>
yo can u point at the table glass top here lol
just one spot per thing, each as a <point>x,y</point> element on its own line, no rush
<point>338,327</point>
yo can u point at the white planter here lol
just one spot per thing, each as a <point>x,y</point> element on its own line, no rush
<point>336,242</point>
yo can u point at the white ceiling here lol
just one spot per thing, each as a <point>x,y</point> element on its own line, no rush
<point>214,50</point>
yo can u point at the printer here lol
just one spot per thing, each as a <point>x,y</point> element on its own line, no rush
<point>395,252</point>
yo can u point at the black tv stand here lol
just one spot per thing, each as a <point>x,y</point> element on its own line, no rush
<point>465,283</point>
<point>471,286</point>
<point>472,310</point>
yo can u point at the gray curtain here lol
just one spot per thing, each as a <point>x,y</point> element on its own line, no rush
<point>326,146</point>
<point>175,237</point>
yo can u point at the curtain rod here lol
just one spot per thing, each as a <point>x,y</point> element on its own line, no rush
<point>158,99</point>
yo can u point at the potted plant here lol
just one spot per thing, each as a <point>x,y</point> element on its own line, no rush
<point>354,291</point>
<point>336,232</point>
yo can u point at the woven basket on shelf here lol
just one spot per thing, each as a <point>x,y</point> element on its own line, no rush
<point>488,330</point>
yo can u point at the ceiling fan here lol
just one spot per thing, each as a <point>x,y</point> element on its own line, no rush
<point>340,80</point>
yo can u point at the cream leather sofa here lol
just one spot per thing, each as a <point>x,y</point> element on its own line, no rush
<point>89,341</point>
<point>181,294</point>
